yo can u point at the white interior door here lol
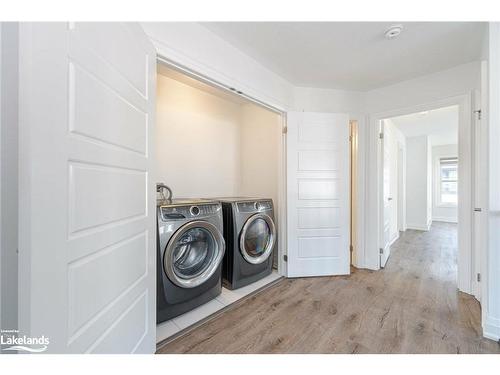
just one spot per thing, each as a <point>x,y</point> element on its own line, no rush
<point>87,201</point>
<point>386,200</point>
<point>388,204</point>
<point>318,194</point>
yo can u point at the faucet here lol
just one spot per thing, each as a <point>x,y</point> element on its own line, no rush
<point>160,188</point>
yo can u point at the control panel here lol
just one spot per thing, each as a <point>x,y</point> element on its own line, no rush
<point>255,206</point>
<point>188,212</point>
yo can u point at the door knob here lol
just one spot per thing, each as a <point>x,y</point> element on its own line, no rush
<point>477,209</point>
<point>389,199</point>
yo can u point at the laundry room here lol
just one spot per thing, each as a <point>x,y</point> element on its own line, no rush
<point>214,145</point>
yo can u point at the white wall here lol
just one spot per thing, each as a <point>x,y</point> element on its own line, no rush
<point>9,175</point>
<point>328,100</point>
<point>417,185</point>
<point>209,145</point>
<point>491,305</point>
<point>427,89</point>
<point>197,139</point>
<point>196,47</point>
<point>440,212</point>
<point>260,135</point>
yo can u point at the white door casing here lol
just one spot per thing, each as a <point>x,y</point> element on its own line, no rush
<point>465,211</point>
<point>87,200</point>
<point>480,191</point>
<point>318,194</point>
<point>389,190</point>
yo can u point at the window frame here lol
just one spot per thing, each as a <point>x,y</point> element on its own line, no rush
<point>439,192</point>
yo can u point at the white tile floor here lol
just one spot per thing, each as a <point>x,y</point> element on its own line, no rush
<point>227,297</point>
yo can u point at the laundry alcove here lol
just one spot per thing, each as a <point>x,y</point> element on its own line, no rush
<point>212,143</point>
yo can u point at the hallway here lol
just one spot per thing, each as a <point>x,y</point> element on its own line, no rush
<point>411,306</point>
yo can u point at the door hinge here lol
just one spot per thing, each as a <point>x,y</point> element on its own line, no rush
<point>350,138</point>
<point>478,277</point>
<point>285,129</point>
<point>381,251</point>
<point>381,135</point>
<point>351,248</point>
<point>285,258</point>
<point>478,111</point>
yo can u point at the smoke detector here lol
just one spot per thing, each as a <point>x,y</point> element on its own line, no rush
<point>393,31</point>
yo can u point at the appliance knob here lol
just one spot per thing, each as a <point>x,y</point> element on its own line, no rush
<point>195,210</point>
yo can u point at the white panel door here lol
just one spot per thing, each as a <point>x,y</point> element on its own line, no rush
<point>318,194</point>
<point>388,203</point>
<point>87,227</point>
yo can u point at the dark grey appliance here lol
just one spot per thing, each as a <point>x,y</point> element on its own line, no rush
<point>250,235</point>
<point>190,250</point>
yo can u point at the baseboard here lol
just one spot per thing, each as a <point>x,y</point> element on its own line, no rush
<point>491,328</point>
<point>445,220</point>
<point>417,227</point>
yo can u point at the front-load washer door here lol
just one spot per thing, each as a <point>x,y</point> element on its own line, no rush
<point>193,254</point>
<point>257,238</point>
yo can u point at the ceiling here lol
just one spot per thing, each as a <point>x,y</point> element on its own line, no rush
<point>441,125</point>
<point>353,55</point>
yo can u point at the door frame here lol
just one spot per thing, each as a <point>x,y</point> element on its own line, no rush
<point>172,63</point>
<point>466,275</point>
<point>384,248</point>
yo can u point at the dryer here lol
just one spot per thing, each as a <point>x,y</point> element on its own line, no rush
<point>250,235</point>
<point>190,251</point>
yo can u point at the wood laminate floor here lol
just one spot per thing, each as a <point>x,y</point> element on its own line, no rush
<point>411,306</point>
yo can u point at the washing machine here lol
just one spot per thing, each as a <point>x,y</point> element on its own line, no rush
<point>250,235</point>
<point>190,251</point>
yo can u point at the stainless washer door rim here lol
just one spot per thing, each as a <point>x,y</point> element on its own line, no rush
<point>168,265</point>
<point>269,249</point>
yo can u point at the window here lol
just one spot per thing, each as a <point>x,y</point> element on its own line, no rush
<point>448,177</point>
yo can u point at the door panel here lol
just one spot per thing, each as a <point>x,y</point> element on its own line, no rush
<point>318,194</point>
<point>84,303</point>
<point>93,204</point>
<point>88,209</point>
<point>119,45</point>
<point>124,127</point>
